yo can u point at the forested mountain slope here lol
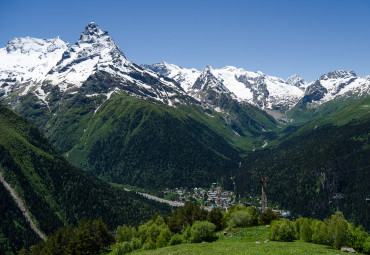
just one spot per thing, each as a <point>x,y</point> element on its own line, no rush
<point>55,193</point>
<point>321,159</point>
<point>151,145</point>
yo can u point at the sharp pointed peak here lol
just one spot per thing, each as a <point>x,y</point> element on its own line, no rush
<point>163,63</point>
<point>92,25</point>
<point>296,80</point>
<point>295,76</point>
<point>91,32</point>
<point>207,68</point>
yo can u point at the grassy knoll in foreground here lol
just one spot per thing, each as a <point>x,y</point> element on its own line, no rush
<point>244,242</point>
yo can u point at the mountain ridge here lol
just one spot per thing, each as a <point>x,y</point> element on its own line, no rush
<point>69,70</point>
<point>268,92</point>
<point>95,57</point>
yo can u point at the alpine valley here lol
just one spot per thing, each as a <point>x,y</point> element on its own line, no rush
<point>161,125</point>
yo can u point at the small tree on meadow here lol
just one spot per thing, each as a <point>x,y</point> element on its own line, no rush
<point>203,231</point>
<point>215,217</point>
<point>268,216</point>
<point>338,231</point>
<point>164,237</point>
<point>306,231</point>
<point>282,230</point>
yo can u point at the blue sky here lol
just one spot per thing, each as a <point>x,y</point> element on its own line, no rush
<point>279,38</point>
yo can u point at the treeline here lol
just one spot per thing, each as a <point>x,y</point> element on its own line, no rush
<point>335,232</point>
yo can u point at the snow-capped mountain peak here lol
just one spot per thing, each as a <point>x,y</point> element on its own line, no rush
<point>94,38</point>
<point>93,65</point>
<point>207,69</point>
<point>339,74</point>
<point>333,85</point>
<point>297,81</point>
<point>28,60</point>
<point>95,50</point>
<point>96,65</point>
<point>28,45</point>
<point>91,33</point>
<point>185,77</point>
<point>208,80</point>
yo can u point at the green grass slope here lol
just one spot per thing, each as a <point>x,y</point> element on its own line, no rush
<point>55,193</point>
<point>326,156</point>
<point>244,242</point>
<point>301,114</point>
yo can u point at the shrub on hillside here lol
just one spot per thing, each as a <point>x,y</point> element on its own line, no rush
<point>339,231</point>
<point>202,231</point>
<point>297,224</point>
<point>240,219</point>
<point>358,239</point>
<point>215,217</point>
<point>320,232</point>
<point>149,245</point>
<point>187,233</point>
<point>123,248</point>
<point>164,237</point>
<point>185,216</point>
<point>366,249</point>
<point>135,243</point>
<point>336,232</point>
<point>124,233</point>
<point>254,215</point>
<point>152,229</point>
<point>268,216</point>
<point>282,230</point>
<point>306,231</point>
<point>175,240</point>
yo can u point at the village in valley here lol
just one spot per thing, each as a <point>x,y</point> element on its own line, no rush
<point>210,198</point>
<point>214,197</point>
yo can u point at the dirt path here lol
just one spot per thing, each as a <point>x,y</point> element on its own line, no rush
<point>172,203</point>
<point>22,207</point>
<point>161,200</point>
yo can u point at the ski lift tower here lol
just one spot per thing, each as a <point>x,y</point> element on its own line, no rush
<point>264,181</point>
<point>337,197</point>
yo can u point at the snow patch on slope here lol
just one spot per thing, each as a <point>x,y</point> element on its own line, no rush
<point>30,59</point>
